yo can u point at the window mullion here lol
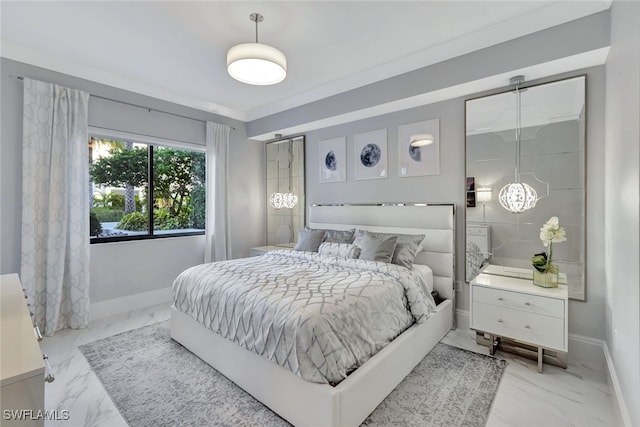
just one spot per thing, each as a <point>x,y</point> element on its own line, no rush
<point>150,175</point>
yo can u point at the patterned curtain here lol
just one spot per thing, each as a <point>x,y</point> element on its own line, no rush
<point>55,213</point>
<point>218,242</point>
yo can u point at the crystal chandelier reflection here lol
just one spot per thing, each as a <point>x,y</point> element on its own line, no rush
<point>276,200</point>
<point>288,200</point>
<point>518,197</point>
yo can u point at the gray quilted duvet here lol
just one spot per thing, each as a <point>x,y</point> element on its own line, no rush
<point>320,317</point>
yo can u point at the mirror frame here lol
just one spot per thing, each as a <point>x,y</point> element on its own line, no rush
<point>583,245</point>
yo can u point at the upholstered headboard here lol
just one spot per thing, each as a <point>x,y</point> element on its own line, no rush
<point>436,222</point>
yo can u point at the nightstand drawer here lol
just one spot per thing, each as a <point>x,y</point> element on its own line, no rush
<point>532,328</point>
<point>519,301</point>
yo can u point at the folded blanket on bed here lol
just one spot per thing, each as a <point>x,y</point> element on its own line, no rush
<point>320,317</point>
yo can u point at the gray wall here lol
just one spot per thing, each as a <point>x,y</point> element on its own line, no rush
<point>447,187</point>
<point>585,318</point>
<point>127,268</point>
<point>622,177</point>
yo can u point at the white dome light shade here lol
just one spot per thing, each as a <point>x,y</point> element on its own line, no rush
<point>256,64</point>
<point>420,140</point>
<point>517,197</point>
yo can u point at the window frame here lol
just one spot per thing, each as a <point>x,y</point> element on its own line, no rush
<point>151,144</point>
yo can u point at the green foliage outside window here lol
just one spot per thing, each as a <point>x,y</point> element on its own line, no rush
<point>178,187</point>
<point>94,224</point>
<point>134,221</point>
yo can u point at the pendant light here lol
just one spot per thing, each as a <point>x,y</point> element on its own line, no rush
<point>256,63</point>
<point>518,197</point>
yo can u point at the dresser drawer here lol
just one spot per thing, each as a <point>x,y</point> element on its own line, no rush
<point>519,301</point>
<point>532,328</point>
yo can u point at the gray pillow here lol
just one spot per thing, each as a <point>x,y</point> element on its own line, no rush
<point>377,247</point>
<point>336,236</point>
<point>339,236</point>
<point>405,253</point>
<point>309,240</point>
<point>407,247</point>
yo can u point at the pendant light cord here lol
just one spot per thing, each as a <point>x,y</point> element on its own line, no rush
<point>518,130</point>
<point>257,30</point>
<point>278,168</point>
<point>257,18</point>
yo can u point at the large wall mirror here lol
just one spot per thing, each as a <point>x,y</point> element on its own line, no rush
<point>285,190</point>
<point>550,149</point>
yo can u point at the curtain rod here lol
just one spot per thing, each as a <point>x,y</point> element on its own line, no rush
<point>123,134</point>
<point>139,106</point>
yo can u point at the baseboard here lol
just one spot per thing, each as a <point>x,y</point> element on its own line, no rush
<point>462,319</point>
<point>614,384</point>
<point>590,350</point>
<point>121,305</point>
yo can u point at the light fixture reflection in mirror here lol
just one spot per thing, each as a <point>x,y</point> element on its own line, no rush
<point>276,200</point>
<point>518,197</point>
<point>484,195</point>
<point>421,140</point>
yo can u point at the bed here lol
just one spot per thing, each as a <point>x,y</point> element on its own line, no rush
<point>347,403</point>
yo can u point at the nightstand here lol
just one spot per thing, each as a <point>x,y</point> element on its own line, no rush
<point>261,250</point>
<point>526,318</point>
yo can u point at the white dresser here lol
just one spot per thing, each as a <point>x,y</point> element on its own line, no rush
<point>515,308</point>
<point>22,370</point>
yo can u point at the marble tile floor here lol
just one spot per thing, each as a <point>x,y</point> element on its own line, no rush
<point>577,396</point>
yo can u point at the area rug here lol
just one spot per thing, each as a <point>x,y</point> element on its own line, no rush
<point>154,381</point>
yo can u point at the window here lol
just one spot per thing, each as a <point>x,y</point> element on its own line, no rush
<point>141,191</point>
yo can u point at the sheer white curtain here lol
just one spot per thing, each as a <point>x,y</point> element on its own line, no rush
<point>55,212</point>
<point>218,242</point>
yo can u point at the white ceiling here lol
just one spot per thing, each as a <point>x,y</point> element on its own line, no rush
<point>177,50</point>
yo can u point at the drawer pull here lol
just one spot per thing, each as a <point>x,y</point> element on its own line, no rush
<point>500,320</point>
<point>527,303</point>
<point>36,331</point>
<point>527,327</point>
<point>500,299</point>
<point>48,376</point>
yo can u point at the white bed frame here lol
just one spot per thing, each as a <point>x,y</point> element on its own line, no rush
<point>304,403</point>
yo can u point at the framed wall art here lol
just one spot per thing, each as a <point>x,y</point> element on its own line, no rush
<point>419,145</point>
<point>370,150</point>
<point>332,160</point>
<point>471,192</point>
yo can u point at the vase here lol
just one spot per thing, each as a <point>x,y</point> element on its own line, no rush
<point>548,279</point>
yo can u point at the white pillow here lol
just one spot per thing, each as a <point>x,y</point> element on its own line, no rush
<point>340,250</point>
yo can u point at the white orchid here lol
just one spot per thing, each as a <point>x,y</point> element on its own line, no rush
<point>550,233</point>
